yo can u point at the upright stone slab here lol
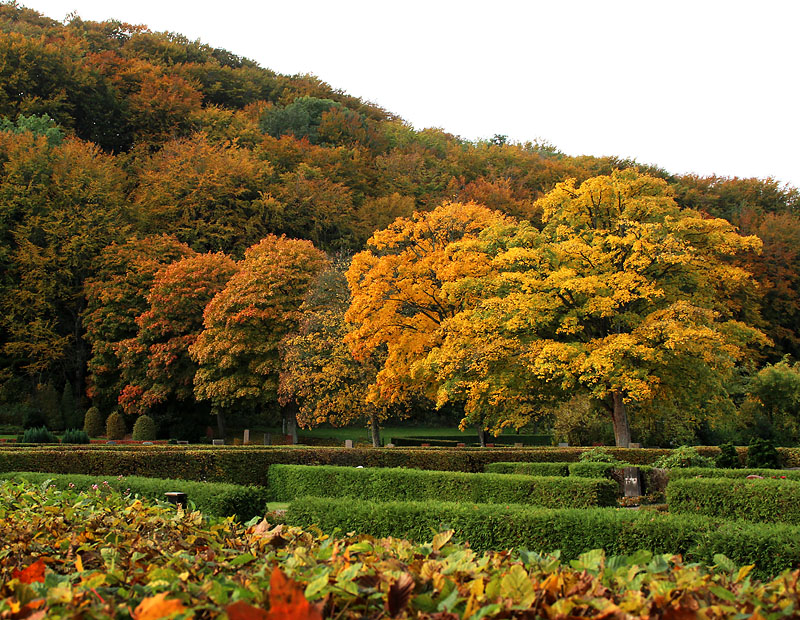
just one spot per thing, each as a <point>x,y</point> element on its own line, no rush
<point>635,445</point>
<point>517,445</point>
<point>218,442</point>
<point>348,443</point>
<point>267,439</point>
<point>632,481</point>
<point>246,438</point>
<point>563,444</point>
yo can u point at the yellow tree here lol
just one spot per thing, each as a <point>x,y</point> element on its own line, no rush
<point>318,371</point>
<point>623,295</point>
<point>398,299</point>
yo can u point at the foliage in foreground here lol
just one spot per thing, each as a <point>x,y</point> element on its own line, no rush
<point>104,555</point>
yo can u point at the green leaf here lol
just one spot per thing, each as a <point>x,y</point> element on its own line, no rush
<point>316,586</point>
<point>240,560</point>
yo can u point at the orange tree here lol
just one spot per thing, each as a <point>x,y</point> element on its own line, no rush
<point>623,296</point>
<point>399,302</point>
<point>237,351</point>
<point>156,366</point>
<point>115,295</point>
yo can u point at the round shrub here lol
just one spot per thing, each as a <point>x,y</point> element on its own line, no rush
<point>75,436</point>
<point>94,423</point>
<point>762,454</point>
<point>39,435</point>
<point>728,457</point>
<point>683,456</point>
<point>144,429</point>
<point>115,426</point>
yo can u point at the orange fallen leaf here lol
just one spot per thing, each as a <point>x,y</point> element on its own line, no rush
<point>156,607</point>
<point>287,601</point>
<point>32,574</point>
<point>244,611</point>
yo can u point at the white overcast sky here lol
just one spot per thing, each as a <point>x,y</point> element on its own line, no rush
<point>709,87</point>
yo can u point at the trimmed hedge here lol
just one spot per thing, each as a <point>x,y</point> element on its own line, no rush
<point>767,501</point>
<point>218,499</point>
<point>714,472</point>
<point>472,439</point>
<point>771,547</point>
<point>530,469</point>
<point>249,464</point>
<point>287,482</point>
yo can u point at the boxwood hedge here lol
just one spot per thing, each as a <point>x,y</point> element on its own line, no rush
<point>771,547</point>
<point>287,482</point>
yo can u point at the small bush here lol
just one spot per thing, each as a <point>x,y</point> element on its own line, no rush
<point>144,429</point>
<point>768,500</point>
<point>287,482</point>
<point>593,469</point>
<point>684,456</point>
<point>598,455</point>
<point>38,435</point>
<point>94,423</point>
<point>762,454</point>
<point>115,426</point>
<point>728,457</point>
<point>75,436</point>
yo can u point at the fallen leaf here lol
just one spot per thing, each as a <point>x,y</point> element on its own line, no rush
<point>155,607</point>
<point>32,574</point>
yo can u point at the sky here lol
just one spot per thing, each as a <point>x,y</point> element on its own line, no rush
<point>705,87</point>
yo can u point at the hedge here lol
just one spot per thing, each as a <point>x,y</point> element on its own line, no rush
<point>714,472</point>
<point>530,469</point>
<point>472,439</point>
<point>771,547</point>
<point>287,482</point>
<point>249,464</point>
<point>771,501</point>
<point>218,499</point>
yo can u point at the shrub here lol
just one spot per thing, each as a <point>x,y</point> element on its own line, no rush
<point>115,426</point>
<point>93,422</point>
<point>593,469</point>
<point>715,472</point>
<point>38,435</point>
<point>598,455</point>
<point>287,482</point>
<point>529,469</point>
<point>33,418</point>
<point>762,454</point>
<point>250,465</point>
<point>765,500</point>
<point>771,547</point>
<point>75,436</point>
<point>728,457</point>
<point>218,499</point>
<point>144,429</point>
<point>684,456</point>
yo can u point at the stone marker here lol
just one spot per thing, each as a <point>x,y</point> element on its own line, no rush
<point>632,481</point>
<point>267,439</point>
<point>183,442</point>
<point>635,445</point>
<point>563,444</point>
<point>218,442</point>
<point>176,497</point>
<point>246,436</point>
<point>147,443</point>
<point>348,443</point>
<point>517,445</point>
<point>111,443</point>
<point>390,445</point>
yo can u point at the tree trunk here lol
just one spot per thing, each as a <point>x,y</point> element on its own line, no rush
<point>622,430</point>
<point>291,425</point>
<point>375,430</point>
<point>221,425</point>
<point>482,436</point>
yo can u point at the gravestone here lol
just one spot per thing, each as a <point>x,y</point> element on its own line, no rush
<point>517,445</point>
<point>147,443</point>
<point>563,444</point>
<point>632,481</point>
<point>267,439</point>
<point>390,445</point>
<point>177,498</point>
<point>348,443</point>
<point>218,442</point>
<point>183,442</point>
<point>635,445</point>
<point>246,436</point>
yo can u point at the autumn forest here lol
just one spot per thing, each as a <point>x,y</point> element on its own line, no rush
<point>188,235</point>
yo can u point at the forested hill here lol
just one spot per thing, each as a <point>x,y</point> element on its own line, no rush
<point>113,135</point>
